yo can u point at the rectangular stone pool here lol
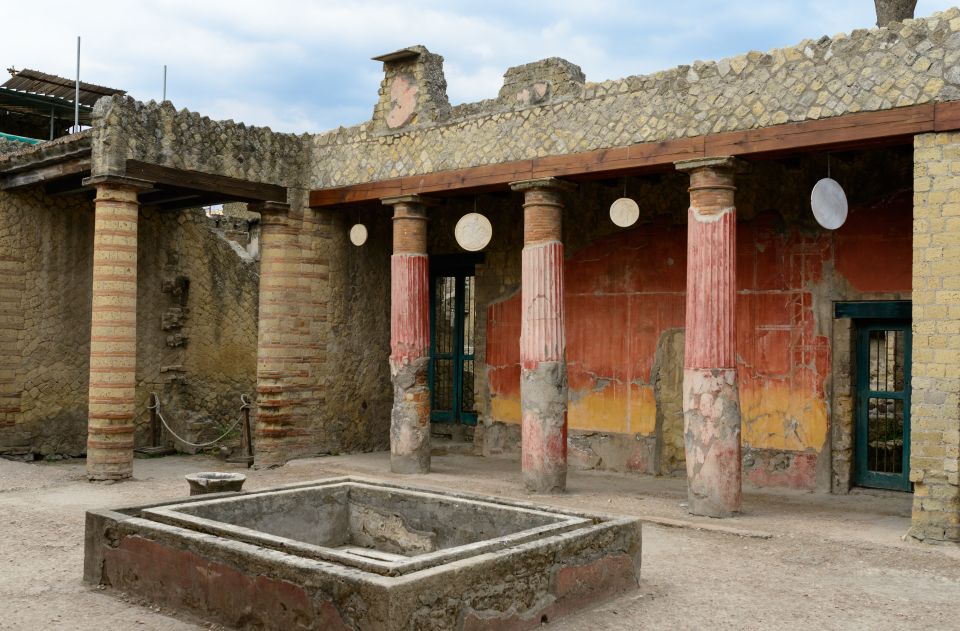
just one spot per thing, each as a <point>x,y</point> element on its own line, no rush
<point>356,554</point>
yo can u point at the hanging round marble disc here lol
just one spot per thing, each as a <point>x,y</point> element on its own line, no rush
<point>624,212</point>
<point>473,232</point>
<point>829,203</point>
<point>358,234</point>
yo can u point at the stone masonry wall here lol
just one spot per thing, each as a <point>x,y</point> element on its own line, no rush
<point>9,146</point>
<point>360,393</point>
<point>125,129</point>
<point>199,366</point>
<point>46,279</point>
<point>197,324</point>
<point>903,64</point>
<point>935,427</point>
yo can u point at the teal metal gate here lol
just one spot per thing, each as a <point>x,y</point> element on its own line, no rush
<point>883,404</point>
<point>452,352</point>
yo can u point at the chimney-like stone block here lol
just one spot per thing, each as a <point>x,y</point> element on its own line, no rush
<point>541,82</point>
<point>894,11</point>
<point>413,91</point>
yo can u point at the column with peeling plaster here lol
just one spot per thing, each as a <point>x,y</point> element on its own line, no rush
<point>113,330</point>
<point>543,375</point>
<point>409,336</point>
<point>711,400</point>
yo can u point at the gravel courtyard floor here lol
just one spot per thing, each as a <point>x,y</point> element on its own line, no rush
<point>791,560</point>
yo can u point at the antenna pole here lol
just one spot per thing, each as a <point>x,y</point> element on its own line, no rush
<point>164,82</point>
<point>76,99</point>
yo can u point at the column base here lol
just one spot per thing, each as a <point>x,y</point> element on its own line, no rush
<point>543,395</point>
<point>100,474</point>
<point>410,418</point>
<point>545,483</point>
<point>410,464</point>
<point>711,419</point>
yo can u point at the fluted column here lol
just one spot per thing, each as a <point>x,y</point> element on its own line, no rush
<point>113,329</point>
<point>277,337</point>
<point>711,400</point>
<point>409,336</point>
<point>543,361</point>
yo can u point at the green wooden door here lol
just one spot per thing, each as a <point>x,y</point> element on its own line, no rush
<point>452,349</point>
<point>883,404</point>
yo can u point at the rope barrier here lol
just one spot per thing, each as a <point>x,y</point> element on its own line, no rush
<point>244,405</point>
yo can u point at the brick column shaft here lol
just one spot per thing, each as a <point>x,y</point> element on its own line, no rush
<point>543,361</point>
<point>409,337</point>
<point>113,330</point>
<point>711,400</point>
<point>277,341</point>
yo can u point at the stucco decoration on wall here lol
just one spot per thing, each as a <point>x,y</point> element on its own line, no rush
<point>473,232</point>
<point>624,212</point>
<point>403,101</point>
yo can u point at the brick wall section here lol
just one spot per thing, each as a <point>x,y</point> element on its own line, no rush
<point>323,335</point>
<point>935,425</point>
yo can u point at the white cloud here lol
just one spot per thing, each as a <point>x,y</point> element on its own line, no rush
<point>304,66</point>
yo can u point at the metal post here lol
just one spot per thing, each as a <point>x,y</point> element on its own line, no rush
<point>76,100</point>
<point>154,425</point>
<point>52,120</point>
<point>247,438</point>
<point>164,82</point>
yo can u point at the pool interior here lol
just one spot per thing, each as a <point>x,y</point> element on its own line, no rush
<point>376,528</point>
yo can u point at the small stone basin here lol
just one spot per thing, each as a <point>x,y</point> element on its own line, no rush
<point>215,482</point>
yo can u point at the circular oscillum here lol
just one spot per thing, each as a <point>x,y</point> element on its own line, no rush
<point>624,212</point>
<point>829,203</point>
<point>358,234</point>
<point>473,232</point>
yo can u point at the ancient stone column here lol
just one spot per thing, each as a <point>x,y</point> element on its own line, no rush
<point>277,340</point>
<point>543,361</point>
<point>113,330</point>
<point>711,401</point>
<point>409,336</point>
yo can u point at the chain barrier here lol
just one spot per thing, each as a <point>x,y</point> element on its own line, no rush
<point>244,405</point>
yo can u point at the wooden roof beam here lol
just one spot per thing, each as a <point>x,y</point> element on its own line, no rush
<point>850,131</point>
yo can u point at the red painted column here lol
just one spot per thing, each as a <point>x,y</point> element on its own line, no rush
<point>543,377</point>
<point>409,337</point>
<point>711,400</point>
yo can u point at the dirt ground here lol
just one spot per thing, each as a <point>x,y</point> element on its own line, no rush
<point>792,560</point>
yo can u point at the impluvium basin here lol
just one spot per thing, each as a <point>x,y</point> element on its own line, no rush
<point>348,553</point>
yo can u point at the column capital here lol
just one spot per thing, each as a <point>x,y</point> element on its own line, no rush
<point>269,208</point>
<point>118,181</point>
<point>715,162</point>
<point>543,183</point>
<point>410,199</point>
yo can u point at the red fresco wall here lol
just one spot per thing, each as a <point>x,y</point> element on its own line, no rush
<point>624,291</point>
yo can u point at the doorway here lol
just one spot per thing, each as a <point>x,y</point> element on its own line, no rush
<point>452,342</point>
<point>882,432</point>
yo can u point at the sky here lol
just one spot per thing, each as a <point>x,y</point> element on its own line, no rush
<point>304,66</point>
